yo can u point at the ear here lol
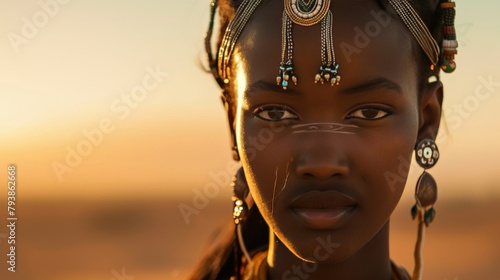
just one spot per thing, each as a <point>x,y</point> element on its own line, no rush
<point>430,107</point>
<point>241,189</point>
<point>229,106</point>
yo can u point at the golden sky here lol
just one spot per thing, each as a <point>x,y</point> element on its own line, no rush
<point>105,98</point>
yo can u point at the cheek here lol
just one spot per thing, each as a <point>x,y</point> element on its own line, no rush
<point>383,162</point>
<point>388,170</point>
<point>265,155</point>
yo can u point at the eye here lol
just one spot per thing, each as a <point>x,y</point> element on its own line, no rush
<point>369,114</point>
<point>273,113</point>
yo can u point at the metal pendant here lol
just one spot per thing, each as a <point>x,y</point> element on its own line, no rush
<point>426,190</point>
<point>306,12</point>
<point>427,153</point>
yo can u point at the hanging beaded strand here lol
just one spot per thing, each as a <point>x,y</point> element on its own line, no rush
<point>328,72</point>
<point>308,13</point>
<point>450,43</point>
<point>286,65</point>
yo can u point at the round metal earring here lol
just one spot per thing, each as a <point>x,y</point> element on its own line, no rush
<point>427,153</point>
<point>240,192</point>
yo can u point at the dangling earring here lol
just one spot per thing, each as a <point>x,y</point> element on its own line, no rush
<point>240,214</point>
<point>450,43</point>
<point>427,155</point>
<point>235,153</point>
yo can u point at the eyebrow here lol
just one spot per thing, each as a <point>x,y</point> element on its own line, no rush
<point>378,83</point>
<point>263,85</point>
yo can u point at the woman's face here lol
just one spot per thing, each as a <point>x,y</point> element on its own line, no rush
<point>321,161</point>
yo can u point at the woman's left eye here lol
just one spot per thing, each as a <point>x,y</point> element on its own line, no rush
<point>275,113</point>
<point>369,114</point>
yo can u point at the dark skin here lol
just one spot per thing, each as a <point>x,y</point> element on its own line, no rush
<point>317,188</point>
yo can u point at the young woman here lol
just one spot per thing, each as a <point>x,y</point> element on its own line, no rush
<point>326,103</point>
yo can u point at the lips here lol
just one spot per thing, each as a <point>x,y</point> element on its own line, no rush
<point>323,209</point>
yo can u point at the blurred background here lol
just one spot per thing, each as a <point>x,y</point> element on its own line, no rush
<point>122,151</point>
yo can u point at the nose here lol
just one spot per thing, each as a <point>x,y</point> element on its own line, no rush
<point>322,162</point>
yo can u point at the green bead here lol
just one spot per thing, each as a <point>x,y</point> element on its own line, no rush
<point>429,216</point>
<point>448,66</point>
<point>414,211</point>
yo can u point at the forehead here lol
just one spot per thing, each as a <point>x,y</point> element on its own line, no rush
<point>369,43</point>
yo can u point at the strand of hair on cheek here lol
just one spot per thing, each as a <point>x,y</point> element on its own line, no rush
<point>286,177</point>
<point>276,183</point>
<point>274,190</point>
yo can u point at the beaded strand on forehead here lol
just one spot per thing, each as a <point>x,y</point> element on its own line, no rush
<point>329,68</point>
<point>311,12</point>
<point>286,65</point>
<point>308,13</point>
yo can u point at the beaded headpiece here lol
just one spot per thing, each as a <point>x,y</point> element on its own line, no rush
<point>312,12</point>
<point>308,13</point>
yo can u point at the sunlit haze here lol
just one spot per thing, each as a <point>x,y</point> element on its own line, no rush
<point>107,98</point>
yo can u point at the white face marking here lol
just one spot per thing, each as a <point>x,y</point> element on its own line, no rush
<point>324,127</point>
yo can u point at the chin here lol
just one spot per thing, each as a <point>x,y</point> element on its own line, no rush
<point>317,246</point>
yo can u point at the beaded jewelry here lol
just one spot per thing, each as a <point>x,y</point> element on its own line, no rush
<point>311,12</point>
<point>308,13</point>
<point>421,33</point>
<point>426,155</point>
<point>240,215</point>
<point>450,43</point>
<point>233,32</point>
<point>418,28</point>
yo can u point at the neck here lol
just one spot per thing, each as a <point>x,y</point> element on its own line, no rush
<point>370,262</point>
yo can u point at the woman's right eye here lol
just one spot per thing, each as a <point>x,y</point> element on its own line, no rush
<point>275,113</point>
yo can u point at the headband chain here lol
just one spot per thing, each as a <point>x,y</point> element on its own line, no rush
<point>311,12</point>
<point>233,32</point>
<point>417,27</point>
